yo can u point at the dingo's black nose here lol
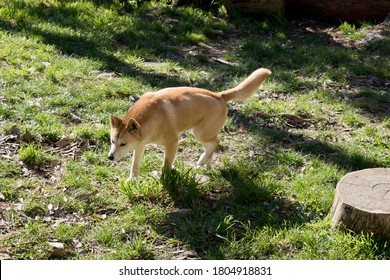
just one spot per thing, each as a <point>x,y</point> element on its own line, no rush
<point>111,157</point>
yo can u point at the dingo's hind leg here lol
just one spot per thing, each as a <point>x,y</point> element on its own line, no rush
<point>208,136</point>
<point>207,132</point>
<point>210,147</point>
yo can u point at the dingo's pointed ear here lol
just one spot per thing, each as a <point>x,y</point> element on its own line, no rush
<point>115,121</point>
<point>133,127</point>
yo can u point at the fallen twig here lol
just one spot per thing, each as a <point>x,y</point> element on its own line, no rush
<point>295,120</point>
<point>224,61</point>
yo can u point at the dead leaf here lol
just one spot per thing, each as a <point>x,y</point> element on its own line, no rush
<point>63,142</point>
<point>202,179</point>
<point>85,196</point>
<point>108,75</point>
<point>74,118</point>
<point>58,250</point>
<point>156,174</point>
<point>97,184</point>
<point>121,94</point>
<point>107,210</point>
<point>58,222</point>
<point>50,207</point>
<point>217,32</point>
<point>57,245</point>
<point>77,243</point>
<point>102,216</point>
<point>185,255</point>
<point>287,203</point>
<point>14,130</point>
<point>27,137</point>
<point>18,206</point>
<point>47,219</point>
<point>5,256</point>
<point>180,213</point>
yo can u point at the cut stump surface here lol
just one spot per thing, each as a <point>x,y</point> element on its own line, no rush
<point>362,202</point>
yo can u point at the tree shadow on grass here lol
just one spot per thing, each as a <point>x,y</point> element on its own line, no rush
<point>155,35</point>
<point>82,42</point>
<point>215,217</point>
<point>309,50</point>
<point>326,152</point>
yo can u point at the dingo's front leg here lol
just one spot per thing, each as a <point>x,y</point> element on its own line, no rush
<point>170,154</point>
<point>135,166</point>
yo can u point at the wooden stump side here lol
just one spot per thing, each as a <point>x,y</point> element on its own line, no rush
<point>362,202</point>
<point>346,10</point>
<point>350,10</point>
<point>266,7</point>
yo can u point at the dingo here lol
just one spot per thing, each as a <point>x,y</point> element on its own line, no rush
<point>159,118</point>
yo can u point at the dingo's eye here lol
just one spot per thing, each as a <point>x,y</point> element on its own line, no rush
<point>123,144</point>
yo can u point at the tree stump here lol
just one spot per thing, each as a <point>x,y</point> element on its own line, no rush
<point>350,10</point>
<point>362,202</point>
<point>266,7</point>
<point>345,10</point>
<point>202,4</point>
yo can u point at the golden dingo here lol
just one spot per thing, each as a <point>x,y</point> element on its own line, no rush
<point>159,118</point>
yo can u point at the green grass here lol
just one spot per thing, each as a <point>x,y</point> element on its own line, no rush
<point>33,155</point>
<point>65,66</point>
<point>353,32</point>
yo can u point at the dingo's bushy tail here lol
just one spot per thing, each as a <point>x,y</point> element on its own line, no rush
<point>248,87</point>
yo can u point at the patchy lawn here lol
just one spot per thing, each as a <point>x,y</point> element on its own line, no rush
<point>66,65</point>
